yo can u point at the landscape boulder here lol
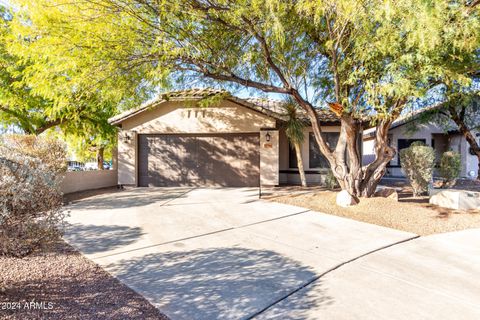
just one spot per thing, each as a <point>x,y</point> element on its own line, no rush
<point>385,192</point>
<point>455,199</point>
<point>345,199</point>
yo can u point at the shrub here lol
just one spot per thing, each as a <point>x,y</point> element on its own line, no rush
<point>450,166</point>
<point>330,181</point>
<point>31,213</point>
<point>417,162</point>
<point>51,152</point>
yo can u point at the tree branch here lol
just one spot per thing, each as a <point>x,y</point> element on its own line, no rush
<point>246,82</point>
<point>267,54</point>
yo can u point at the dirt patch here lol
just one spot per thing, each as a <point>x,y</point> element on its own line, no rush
<point>66,285</point>
<point>410,214</point>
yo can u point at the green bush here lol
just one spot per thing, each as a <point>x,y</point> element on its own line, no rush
<point>417,162</point>
<point>330,181</point>
<point>450,166</point>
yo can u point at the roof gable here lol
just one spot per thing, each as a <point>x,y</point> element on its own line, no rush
<point>268,107</point>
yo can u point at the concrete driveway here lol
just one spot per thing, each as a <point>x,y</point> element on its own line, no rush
<point>224,254</point>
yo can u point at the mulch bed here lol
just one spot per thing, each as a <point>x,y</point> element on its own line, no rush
<point>62,284</point>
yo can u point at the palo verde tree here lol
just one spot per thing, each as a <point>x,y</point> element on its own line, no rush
<point>36,96</point>
<point>18,105</point>
<point>464,110</point>
<point>364,59</point>
<point>457,108</point>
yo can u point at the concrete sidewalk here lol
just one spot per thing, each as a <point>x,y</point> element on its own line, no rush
<point>434,277</point>
<point>224,254</point>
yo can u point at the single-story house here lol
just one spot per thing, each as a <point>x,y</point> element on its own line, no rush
<point>175,140</point>
<point>407,129</point>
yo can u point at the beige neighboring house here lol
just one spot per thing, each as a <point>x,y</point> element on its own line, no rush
<point>402,134</point>
<point>175,141</point>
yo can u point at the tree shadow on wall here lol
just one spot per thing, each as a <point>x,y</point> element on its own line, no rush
<point>200,161</point>
<point>217,283</point>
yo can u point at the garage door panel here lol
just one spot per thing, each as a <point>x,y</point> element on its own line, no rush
<point>186,160</point>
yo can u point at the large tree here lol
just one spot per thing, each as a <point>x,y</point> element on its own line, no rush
<point>366,58</point>
<point>456,108</point>
<point>464,110</point>
<point>36,97</point>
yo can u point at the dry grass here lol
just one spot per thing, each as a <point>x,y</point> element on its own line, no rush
<point>408,214</point>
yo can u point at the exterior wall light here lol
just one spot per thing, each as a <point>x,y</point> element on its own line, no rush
<point>126,137</point>
<point>267,137</point>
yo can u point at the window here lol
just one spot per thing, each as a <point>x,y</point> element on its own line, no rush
<point>315,157</point>
<point>292,157</point>
<point>405,143</point>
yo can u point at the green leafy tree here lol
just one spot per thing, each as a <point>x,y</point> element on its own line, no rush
<point>34,104</point>
<point>458,108</point>
<point>294,127</point>
<point>19,106</point>
<point>367,58</point>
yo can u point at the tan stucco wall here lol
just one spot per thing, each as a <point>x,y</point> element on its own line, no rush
<point>127,174</point>
<point>471,162</point>
<point>88,180</point>
<point>183,117</point>
<point>269,162</point>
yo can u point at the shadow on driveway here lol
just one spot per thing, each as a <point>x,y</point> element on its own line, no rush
<point>217,283</point>
<point>90,239</point>
<point>130,198</point>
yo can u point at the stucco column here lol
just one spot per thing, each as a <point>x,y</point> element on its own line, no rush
<point>115,157</point>
<point>269,157</point>
<point>127,145</point>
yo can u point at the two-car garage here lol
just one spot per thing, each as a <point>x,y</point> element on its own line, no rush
<point>170,160</point>
<point>175,141</point>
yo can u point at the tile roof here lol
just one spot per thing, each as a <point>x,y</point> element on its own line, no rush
<point>412,115</point>
<point>270,107</point>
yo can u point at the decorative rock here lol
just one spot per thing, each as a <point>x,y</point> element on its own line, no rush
<point>455,199</point>
<point>345,199</point>
<point>386,192</point>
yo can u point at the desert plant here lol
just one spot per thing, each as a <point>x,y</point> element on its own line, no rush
<point>294,126</point>
<point>417,162</point>
<point>450,166</point>
<point>330,181</point>
<point>31,213</point>
<point>50,151</point>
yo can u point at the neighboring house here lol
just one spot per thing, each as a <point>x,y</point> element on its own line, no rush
<point>172,141</point>
<point>405,130</point>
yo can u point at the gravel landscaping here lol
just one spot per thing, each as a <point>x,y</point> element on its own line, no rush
<point>408,214</point>
<point>66,285</point>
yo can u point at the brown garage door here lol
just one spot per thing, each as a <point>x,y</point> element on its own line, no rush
<point>199,160</point>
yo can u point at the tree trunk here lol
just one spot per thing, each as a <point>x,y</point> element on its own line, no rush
<point>345,161</point>
<point>100,152</point>
<point>301,170</point>
<point>467,134</point>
